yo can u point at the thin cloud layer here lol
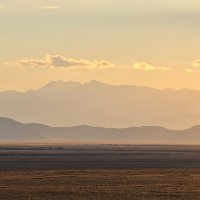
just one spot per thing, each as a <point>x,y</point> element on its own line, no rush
<point>189,70</point>
<point>196,63</point>
<point>48,7</point>
<point>59,61</point>
<point>147,67</point>
<point>195,66</point>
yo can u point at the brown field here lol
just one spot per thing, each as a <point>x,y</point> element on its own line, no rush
<point>100,184</point>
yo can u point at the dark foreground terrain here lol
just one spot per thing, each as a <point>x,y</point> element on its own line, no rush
<point>97,157</point>
<point>101,184</point>
<point>84,172</point>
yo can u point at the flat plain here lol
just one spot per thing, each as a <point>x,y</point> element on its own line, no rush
<point>40,172</point>
<point>101,184</point>
<point>50,157</point>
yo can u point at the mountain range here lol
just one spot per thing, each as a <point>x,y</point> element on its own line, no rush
<point>13,131</point>
<point>98,104</point>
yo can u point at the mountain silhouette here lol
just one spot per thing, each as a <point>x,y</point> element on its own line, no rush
<point>98,104</point>
<point>13,131</point>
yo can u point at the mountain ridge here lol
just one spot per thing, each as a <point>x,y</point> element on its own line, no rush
<point>14,131</point>
<point>98,104</point>
<point>51,83</point>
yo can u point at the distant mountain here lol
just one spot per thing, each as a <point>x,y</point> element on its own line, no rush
<point>97,104</point>
<point>13,131</point>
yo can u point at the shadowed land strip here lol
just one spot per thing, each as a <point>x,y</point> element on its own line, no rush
<point>98,157</point>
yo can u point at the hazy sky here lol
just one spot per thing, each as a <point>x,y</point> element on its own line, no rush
<point>144,42</point>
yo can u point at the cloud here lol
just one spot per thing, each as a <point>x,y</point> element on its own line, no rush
<point>48,8</point>
<point>195,66</point>
<point>59,61</point>
<point>196,63</point>
<point>31,62</point>
<point>147,67</point>
<point>189,70</point>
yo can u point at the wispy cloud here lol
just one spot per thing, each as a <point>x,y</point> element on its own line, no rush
<point>189,70</point>
<point>62,62</point>
<point>47,7</point>
<point>196,63</point>
<point>195,66</point>
<point>147,67</point>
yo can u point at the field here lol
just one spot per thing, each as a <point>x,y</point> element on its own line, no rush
<point>101,184</point>
<point>84,172</point>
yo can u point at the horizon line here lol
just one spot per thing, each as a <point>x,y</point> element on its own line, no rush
<point>90,126</point>
<point>101,82</point>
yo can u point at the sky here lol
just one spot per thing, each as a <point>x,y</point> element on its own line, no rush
<point>139,42</point>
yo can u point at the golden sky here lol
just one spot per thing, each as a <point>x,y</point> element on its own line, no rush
<point>142,42</point>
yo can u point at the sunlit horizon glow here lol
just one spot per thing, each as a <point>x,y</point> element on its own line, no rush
<point>151,43</point>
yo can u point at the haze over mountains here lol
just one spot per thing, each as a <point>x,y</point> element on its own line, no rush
<point>98,104</point>
<point>13,131</point>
